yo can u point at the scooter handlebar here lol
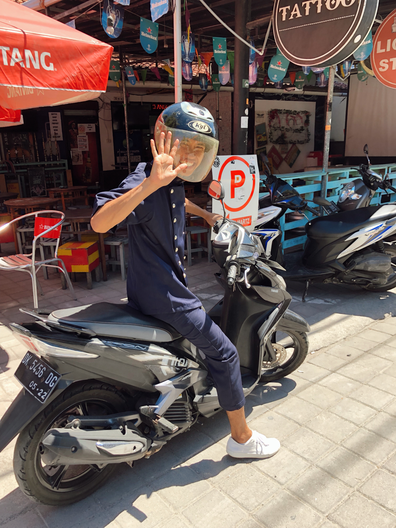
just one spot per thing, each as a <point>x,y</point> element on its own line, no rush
<point>315,213</point>
<point>231,276</point>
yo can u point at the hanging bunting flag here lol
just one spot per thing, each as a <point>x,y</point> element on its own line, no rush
<point>292,76</point>
<point>231,58</point>
<point>252,53</point>
<point>279,84</point>
<point>115,72</point>
<point>365,48</point>
<point>203,81</point>
<point>326,72</point>
<point>277,68</point>
<point>306,70</point>
<point>311,79</point>
<point>187,70</point>
<point>362,74</point>
<point>321,80</point>
<point>71,23</point>
<point>260,77</point>
<point>136,75</point>
<point>346,68</point>
<point>158,8</point>
<point>148,35</point>
<point>171,80</point>
<point>317,69</point>
<point>123,2</point>
<point>224,73</point>
<point>199,59</point>
<point>188,47</point>
<point>220,50</point>
<point>167,67</point>
<point>260,59</point>
<point>300,80</point>
<point>144,75</point>
<point>130,75</point>
<point>112,18</point>
<point>253,72</point>
<point>156,72</point>
<point>215,82</point>
<point>366,65</point>
<point>206,57</point>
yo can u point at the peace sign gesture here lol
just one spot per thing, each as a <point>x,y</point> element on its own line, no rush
<point>163,172</point>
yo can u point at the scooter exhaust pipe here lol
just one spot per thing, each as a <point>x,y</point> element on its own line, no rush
<point>77,446</point>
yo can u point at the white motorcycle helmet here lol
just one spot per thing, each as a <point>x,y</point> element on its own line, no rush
<point>194,127</point>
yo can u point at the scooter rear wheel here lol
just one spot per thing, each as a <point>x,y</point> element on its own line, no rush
<point>63,485</point>
<point>291,348</point>
<point>390,249</point>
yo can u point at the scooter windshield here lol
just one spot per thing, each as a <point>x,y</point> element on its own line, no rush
<point>283,192</point>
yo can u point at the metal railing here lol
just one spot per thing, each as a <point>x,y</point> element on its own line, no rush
<point>337,177</point>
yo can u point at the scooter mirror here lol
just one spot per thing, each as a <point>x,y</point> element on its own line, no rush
<point>215,190</point>
<point>365,150</point>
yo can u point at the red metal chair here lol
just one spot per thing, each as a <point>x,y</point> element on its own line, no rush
<point>44,227</point>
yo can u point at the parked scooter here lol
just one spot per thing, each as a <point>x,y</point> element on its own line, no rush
<point>344,248</point>
<point>357,193</point>
<point>105,384</point>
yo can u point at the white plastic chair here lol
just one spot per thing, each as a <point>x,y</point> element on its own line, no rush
<point>44,227</point>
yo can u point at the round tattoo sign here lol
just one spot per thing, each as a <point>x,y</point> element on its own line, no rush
<point>322,32</point>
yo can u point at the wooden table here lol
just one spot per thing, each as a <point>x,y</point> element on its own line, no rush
<point>69,194</point>
<point>30,205</point>
<point>77,216</point>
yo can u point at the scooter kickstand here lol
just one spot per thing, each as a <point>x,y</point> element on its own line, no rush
<point>307,283</point>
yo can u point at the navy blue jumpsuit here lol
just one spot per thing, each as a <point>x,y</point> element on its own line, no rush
<point>157,284</point>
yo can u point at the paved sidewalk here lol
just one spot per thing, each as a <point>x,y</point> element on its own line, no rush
<point>335,418</point>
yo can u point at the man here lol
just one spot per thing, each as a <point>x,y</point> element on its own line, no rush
<point>152,201</point>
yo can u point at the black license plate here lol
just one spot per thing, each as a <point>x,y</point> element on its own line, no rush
<point>37,376</point>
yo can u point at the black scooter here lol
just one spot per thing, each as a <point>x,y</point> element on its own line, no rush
<point>359,192</point>
<point>104,384</point>
<point>344,248</point>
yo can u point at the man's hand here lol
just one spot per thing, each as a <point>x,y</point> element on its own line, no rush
<point>163,172</point>
<point>212,218</point>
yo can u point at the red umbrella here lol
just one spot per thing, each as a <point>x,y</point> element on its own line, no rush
<point>10,117</point>
<point>44,62</point>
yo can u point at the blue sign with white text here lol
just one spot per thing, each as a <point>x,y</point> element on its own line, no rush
<point>148,35</point>
<point>365,48</point>
<point>278,67</point>
<point>220,50</point>
<point>131,75</point>
<point>188,47</point>
<point>112,18</point>
<point>158,8</point>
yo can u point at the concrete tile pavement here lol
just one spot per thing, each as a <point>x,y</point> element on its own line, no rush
<point>335,417</point>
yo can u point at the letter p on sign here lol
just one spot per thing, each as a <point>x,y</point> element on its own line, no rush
<point>237,180</point>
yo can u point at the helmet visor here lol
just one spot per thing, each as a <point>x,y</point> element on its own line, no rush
<point>197,151</point>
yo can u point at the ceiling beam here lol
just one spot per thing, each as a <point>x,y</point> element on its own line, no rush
<point>80,7</point>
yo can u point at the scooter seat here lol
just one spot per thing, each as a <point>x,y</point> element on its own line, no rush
<point>339,224</point>
<point>116,320</point>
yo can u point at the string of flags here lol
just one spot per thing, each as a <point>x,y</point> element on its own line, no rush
<point>217,66</point>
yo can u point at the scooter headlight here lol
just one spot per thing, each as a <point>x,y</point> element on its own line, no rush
<point>348,193</point>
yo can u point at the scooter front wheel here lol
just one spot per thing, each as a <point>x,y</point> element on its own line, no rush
<point>63,485</point>
<point>290,348</point>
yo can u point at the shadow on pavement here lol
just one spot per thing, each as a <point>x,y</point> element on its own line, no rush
<point>166,469</point>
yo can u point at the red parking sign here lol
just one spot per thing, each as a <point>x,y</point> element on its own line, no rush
<point>240,179</point>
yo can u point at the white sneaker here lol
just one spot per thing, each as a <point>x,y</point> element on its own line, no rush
<point>258,446</point>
